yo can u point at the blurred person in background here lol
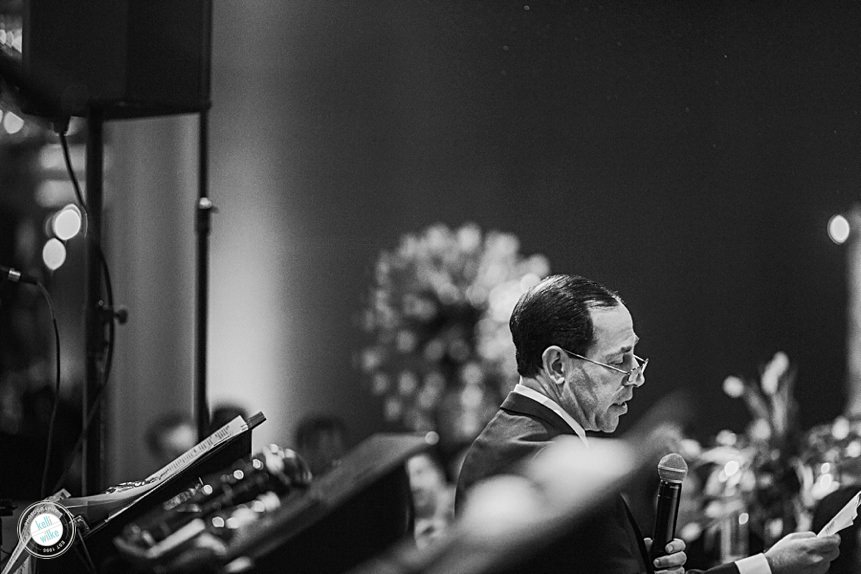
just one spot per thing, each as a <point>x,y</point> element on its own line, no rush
<point>169,436</point>
<point>433,497</point>
<point>321,440</point>
<point>223,413</point>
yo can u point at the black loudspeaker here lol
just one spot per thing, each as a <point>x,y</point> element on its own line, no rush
<point>128,58</point>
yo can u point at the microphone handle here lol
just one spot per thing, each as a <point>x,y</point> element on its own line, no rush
<point>669,494</point>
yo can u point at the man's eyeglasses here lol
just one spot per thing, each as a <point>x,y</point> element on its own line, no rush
<point>631,376</point>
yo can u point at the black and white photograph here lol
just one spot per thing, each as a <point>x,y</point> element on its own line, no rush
<point>430,286</point>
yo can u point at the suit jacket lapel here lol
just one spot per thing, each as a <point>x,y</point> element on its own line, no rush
<point>639,536</point>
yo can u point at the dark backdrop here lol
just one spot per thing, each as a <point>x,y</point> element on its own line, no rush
<point>687,154</point>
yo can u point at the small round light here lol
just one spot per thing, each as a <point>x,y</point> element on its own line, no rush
<point>838,229</point>
<point>54,254</point>
<point>67,222</point>
<point>731,467</point>
<point>12,123</point>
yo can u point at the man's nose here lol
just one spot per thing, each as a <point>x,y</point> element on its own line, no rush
<point>637,381</point>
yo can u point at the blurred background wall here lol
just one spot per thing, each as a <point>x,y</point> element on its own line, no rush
<point>687,154</point>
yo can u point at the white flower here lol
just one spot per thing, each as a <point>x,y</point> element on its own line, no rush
<point>393,408</point>
<point>733,386</point>
<point>476,295</point>
<point>538,265</point>
<point>503,298</point>
<point>469,237</point>
<point>459,350</point>
<point>528,281</point>
<point>406,341</point>
<point>840,429</point>
<point>690,448</point>
<point>502,244</point>
<point>775,369</point>
<point>409,247</point>
<point>759,430</point>
<point>471,373</point>
<point>408,382</point>
<point>380,383</point>
<point>690,532</point>
<point>435,383</point>
<point>371,358</point>
<point>438,240</point>
<point>434,350</point>
<point>726,438</point>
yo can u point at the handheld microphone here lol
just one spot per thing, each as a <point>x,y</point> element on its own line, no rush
<point>16,276</point>
<point>672,471</point>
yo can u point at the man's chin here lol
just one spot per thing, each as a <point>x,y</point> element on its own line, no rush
<point>611,422</point>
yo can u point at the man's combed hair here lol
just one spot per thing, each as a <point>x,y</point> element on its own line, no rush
<point>556,312</point>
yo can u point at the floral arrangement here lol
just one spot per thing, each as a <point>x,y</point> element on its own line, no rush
<point>831,457</point>
<point>752,481</point>
<point>440,353</point>
<point>773,438</point>
<point>768,480</point>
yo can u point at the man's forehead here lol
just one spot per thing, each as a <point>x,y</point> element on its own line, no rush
<point>613,328</point>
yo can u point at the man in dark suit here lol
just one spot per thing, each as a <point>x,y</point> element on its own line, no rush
<point>575,344</point>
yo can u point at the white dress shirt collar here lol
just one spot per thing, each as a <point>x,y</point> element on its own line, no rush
<point>529,393</point>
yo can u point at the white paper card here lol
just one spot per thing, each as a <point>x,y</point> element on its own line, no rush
<point>843,518</point>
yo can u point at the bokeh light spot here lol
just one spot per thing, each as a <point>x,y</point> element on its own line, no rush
<point>12,123</point>
<point>54,254</point>
<point>838,229</point>
<point>67,222</point>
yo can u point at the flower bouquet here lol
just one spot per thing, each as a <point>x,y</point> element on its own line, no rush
<point>440,352</point>
<point>751,481</point>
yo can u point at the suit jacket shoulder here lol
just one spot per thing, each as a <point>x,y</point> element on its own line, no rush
<point>519,430</point>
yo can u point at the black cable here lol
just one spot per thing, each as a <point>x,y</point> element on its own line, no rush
<point>83,205</point>
<point>109,296</point>
<point>109,293</point>
<point>50,442</point>
<point>73,454</point>
<point>84,554</point>
<point>95,404</point>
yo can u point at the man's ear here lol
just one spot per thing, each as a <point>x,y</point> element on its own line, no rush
<point>553,361</point>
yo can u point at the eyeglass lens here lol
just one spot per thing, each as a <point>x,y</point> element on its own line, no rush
<point>638,370</point>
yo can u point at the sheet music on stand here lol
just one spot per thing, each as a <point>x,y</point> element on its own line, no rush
<point>189,465</point>
<point>104,506</point>
<point>96,515</point>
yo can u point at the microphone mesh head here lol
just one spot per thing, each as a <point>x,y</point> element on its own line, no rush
<point>672,468</point>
